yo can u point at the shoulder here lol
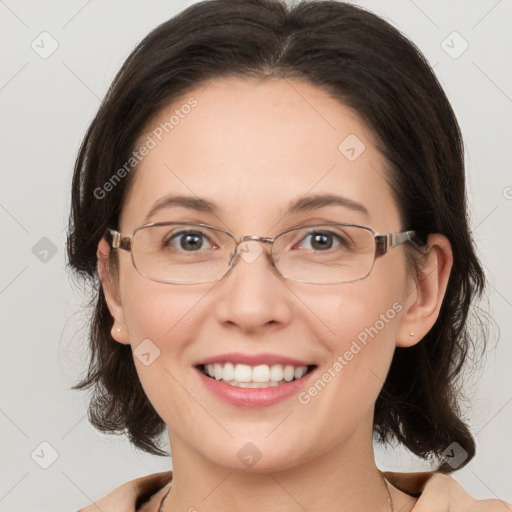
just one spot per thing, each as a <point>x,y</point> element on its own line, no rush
<point>131,495</point>
<point>439,491</point>
<point>410,483</point>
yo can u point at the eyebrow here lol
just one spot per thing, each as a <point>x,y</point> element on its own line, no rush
<point>303,204</point>
<point>317,201</point>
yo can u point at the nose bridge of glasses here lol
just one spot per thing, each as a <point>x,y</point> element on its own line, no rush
<point>255,238</point>
<point>249,252</point>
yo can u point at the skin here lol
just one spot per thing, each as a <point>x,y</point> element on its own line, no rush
<point>251,148</point>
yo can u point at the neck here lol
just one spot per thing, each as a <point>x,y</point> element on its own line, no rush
<point>343,479</point>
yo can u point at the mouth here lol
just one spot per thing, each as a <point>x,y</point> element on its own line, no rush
<point>257,376</point>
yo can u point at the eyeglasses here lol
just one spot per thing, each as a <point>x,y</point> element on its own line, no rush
<point>191,253</point>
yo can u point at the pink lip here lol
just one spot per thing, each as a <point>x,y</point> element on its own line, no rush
<point>253,397</point>
<point>252,359</point>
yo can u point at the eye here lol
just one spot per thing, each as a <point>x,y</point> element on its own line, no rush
<point>323,241</point>
<point>189,241</point>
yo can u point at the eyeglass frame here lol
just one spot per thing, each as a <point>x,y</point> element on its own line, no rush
<point>383,244</point>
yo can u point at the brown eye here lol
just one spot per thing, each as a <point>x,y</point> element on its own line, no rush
<point>189,241</point>
<point>322,241</point>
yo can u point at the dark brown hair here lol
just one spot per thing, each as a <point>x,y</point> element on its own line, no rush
<point>366,64</point>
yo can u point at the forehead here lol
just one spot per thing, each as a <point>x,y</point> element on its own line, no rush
<point>254,147</point>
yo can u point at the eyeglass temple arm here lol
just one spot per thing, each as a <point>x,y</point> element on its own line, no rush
<point>392,240</point>
<point>116,241</point>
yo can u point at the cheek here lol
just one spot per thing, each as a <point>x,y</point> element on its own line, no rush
<point>160,311</point>
<point>361,323</point>
<point>161,320</point>
<point>368,319</point>
<point>366,347</point>
<point>359,311</point>
<point>370,309</point>
<point>358,339</point>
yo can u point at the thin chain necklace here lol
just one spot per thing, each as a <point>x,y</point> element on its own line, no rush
<point>164,499</point>
<point>389,500</point>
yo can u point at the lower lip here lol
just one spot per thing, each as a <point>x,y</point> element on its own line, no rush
<point>253,397</point>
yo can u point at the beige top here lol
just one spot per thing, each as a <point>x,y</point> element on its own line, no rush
<point>140,495</point>
<point>146,493</point>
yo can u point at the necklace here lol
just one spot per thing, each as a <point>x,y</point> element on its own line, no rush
<point>389,500</point>
<point>164,499</point>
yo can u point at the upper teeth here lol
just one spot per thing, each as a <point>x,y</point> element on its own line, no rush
<point>260,373</point>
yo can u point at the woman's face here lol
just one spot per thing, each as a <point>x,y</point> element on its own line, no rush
<point>252,149</point>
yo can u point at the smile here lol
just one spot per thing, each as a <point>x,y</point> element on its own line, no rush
<point>258,376</point>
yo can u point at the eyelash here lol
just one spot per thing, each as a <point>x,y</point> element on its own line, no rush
<point>174,236</point>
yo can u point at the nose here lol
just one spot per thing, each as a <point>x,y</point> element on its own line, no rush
<point>253,296</point>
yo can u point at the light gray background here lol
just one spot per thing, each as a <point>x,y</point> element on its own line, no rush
<point>46,106</point>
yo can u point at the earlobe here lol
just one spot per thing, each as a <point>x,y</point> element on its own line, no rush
<point>423,302</point>
<point>111,292</point>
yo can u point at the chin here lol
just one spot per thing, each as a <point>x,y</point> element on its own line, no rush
<point>246,456</point>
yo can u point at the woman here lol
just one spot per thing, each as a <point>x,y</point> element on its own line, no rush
<point>273,199</point>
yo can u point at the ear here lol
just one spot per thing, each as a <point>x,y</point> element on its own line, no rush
<point>426,292</point>
<point>111,290</point>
